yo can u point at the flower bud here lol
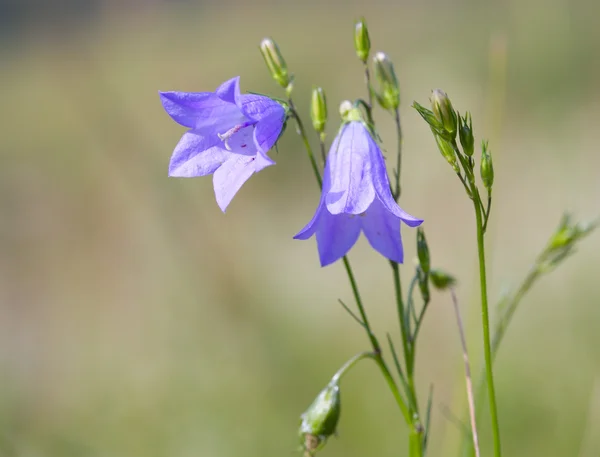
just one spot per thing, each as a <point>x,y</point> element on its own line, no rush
<point>275,62</point>
<point>441,280</point>
<point>320,420</point>
<point>487,167</point>
<point>465,133</point>
<point>422,250</point>
<point>389,90</point>
<point>447,151</point>
<point>362,43</point>
<point>444,112</point>
<point>318,109</point>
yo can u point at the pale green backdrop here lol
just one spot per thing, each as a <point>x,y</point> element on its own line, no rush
<point>138,320</point>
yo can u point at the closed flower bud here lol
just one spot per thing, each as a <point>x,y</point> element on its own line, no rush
<point>444,112</point>
<point>448,152</point>
<point>487,167</point>
<point>465,132</point>
<point>388,95</point>
<point>422,250</point>
<point>275,62</point>
<point>362,43</point>
<point>320,420</point>
<point>441,280</point>
<point>318,109</point>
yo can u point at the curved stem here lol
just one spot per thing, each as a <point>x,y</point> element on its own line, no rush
<point>349,364</point>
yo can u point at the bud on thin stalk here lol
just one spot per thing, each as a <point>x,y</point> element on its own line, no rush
<point>487,167</point>
<point>362,42</point>
<point>388,95</point>
<point>318,109</point>
<point>465,133</point>
<point>422,250</point>
<point>275,62</point>
<point>444,111</point>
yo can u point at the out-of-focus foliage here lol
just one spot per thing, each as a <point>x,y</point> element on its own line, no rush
<point>138,320</point>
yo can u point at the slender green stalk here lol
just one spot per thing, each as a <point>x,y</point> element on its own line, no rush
<point>485,321</point>
<point>368,82</point>
<point>349,364</point>
<point>397,188</point>
<point>322,147</point>
<point>302,133</point>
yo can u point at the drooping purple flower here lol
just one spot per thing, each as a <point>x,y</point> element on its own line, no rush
<point>230,135</point>
<point>356,196</point>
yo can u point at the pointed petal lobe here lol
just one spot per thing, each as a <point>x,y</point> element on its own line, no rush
<point>382,229</point>
<point>230,177</point>
<point>336,234</point>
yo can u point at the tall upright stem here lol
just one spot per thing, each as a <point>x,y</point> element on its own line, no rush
<point>485,320</point>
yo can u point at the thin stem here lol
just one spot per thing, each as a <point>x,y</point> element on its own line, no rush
<point>349,364</point>
<point>368,82</point>
<point>468,380</point>
<point>487,211</point>
<point>322,146</point>
<point>420,321</point>
<point>351,313</point>
<point>302,133</point>
<point>411,302</point>
<point>401,315</point>
<point>397,188</point>
<point>485,320</point>
<point>511,306</point>
<point>416,429</point>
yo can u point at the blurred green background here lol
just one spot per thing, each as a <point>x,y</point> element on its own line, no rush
<point>138,320</point>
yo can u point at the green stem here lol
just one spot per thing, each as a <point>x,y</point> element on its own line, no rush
<point>486,323</point>
<point>302,133</point>
<point>397,189</point>
<point>368,82</point>
<point>322,146</point>
<point>415,437</point>
<point>487,211</point>
<point>349,364</point>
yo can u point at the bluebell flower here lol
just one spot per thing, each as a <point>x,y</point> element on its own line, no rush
<point>230,135</point>
<point>356,196</point>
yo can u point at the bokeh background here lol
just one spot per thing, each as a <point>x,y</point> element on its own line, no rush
<point>138,320</point>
